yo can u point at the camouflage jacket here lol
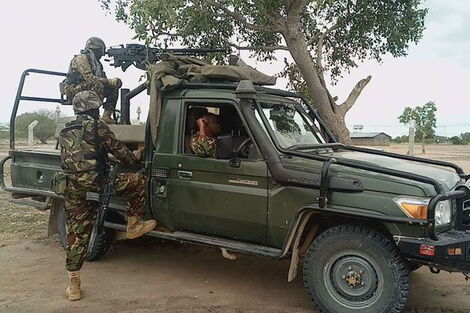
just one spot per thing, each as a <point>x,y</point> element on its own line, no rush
<point>203,146</point>
<point>81,71</point>
<point>79,157</point>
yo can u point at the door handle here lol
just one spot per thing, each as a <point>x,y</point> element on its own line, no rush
<point>185,175</point>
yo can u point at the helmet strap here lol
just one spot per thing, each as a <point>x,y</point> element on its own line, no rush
<point>94,113</point>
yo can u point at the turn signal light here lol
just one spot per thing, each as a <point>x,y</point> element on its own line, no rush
<point>418,211</point>
<point>454,251</point>
<point>427,250</point>
<point>416,208</point>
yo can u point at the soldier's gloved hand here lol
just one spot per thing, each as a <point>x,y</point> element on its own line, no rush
<point>115,82</point>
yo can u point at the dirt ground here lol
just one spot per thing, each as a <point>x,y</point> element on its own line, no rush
<point>150,275</point>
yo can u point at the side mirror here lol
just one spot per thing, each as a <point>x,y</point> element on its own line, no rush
<point>224,149</point>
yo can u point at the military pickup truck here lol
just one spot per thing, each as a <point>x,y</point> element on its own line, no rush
<point>358,220</point>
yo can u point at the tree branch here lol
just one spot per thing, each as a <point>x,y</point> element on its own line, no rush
<point>320,38</point>
<point>355,93</point>
<point>266,48</point>
<point>240,18</point>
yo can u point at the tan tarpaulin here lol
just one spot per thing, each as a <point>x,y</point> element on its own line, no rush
<point>172,71</point>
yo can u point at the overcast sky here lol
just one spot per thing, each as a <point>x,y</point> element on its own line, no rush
<point>46,34</point>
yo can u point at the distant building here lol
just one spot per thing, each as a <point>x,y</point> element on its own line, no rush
<point>370,139</point>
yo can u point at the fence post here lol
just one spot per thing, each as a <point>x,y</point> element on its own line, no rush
<point>31,134</point>
<point>411,138</point>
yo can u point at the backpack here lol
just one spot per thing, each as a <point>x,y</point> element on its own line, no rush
<point>78,151</point>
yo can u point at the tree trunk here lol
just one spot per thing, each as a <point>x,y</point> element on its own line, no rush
<point>297,44</point>
<point>423,141</point>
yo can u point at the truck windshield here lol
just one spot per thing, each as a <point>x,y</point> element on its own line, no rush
<point>291,125</point>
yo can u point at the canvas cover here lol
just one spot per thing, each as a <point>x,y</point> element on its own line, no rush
<point>172,71</point>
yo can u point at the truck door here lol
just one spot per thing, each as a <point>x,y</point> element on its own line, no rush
<point>212,196</point>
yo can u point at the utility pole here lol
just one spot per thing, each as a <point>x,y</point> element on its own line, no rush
<point>57,113</point>
<point>31,134</point>
<point>139,110</point>
<point>411,138</point>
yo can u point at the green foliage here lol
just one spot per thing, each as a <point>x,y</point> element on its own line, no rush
<point>45,128</point>
<point>357,30</point>
<point>4,131</point>
<point>465,138</point>
<point>425,118</point>
<point>400,139</point>
<point>441,139</point>
<point>456,140</point>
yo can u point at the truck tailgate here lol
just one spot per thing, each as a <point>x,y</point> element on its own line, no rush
<point>34,169</point>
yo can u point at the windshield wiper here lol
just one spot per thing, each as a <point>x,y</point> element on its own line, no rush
<point>314,146</point>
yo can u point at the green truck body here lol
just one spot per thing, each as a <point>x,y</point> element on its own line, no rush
<point>281,203</point>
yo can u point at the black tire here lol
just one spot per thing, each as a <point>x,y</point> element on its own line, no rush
<point>99,244</point>
<point>355,269</point>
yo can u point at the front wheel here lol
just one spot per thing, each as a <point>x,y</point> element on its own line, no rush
<point>99,243</point>
<point>355,269</point>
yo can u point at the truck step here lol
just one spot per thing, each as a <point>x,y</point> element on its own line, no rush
<point>231,245</point>
<point>36,204</point>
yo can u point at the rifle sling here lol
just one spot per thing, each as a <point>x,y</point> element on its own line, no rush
<point>101,155</point>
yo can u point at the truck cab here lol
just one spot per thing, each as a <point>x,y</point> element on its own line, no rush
<point>281,186</point>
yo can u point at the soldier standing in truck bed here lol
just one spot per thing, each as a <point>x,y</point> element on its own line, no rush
<point>85,143</point>
<point>86,73</point>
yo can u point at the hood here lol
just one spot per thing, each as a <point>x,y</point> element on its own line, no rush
<point>447,177</point>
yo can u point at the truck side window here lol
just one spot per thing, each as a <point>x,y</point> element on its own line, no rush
<point>230,122</point>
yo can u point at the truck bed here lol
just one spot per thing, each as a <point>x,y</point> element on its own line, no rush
<point>34,169</point>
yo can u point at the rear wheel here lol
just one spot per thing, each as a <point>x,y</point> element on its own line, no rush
<point>99,243</point>
<point>355,269</point>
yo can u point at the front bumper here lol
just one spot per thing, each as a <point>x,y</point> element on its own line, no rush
<point>451,250</point>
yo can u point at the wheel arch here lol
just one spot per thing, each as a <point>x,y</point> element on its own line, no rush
<point>313,220</point>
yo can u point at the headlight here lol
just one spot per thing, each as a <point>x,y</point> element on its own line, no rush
<point>443,212</point>
<point>416,208</point>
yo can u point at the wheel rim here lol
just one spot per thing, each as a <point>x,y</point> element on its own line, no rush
<point>354,279</point>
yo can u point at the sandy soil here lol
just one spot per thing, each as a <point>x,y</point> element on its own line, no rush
<point>150,275</point>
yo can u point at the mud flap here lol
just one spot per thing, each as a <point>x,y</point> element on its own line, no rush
<point>294,262</point>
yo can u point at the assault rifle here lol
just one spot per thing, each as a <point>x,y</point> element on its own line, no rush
<point>140,55</point>
<point>105,196</point>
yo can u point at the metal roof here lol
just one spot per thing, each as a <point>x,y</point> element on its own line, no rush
<point>368,135</point>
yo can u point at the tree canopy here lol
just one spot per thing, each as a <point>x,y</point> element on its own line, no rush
<point>322,36</point>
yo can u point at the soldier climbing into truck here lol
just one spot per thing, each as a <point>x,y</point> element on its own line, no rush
<point>85,144</point>
<point>357,221</point>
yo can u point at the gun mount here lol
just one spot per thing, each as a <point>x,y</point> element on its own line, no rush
<point>141,55</point>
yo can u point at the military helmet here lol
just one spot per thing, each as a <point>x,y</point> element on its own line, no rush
<point>95,43</point>
<point>85,101</point>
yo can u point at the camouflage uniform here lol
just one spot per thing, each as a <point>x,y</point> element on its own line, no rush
<point>79,161</point>
<point>82,76</point>
<point>203,146</point>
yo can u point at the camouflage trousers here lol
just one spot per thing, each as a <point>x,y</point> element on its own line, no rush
<point>109,93</point>
<point>81,214</point>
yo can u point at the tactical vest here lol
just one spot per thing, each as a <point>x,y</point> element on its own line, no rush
<point>80,150</point>
<point>74,77</point>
